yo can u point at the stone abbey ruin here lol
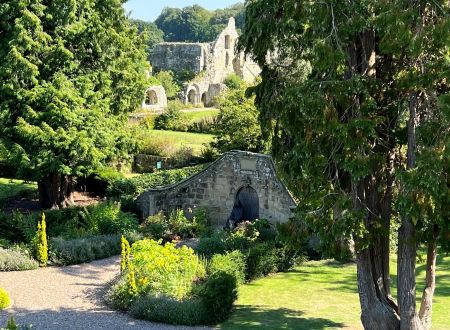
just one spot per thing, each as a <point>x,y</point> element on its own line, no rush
<point>210,62</point>
<point>239,185</point>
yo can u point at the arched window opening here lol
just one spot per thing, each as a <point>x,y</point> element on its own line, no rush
<point>191,96</point>
<point>227,42</point>
<point>204,99</point>
<point>151,98</point>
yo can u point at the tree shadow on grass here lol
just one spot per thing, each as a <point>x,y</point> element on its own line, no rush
<point>259,317</point>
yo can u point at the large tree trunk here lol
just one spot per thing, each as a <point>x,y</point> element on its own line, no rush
<point>378,310</point>
<point>55,191</point>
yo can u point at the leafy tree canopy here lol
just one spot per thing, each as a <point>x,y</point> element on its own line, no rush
<point>237,124</point>
<point>355,96</point>
<point>70,72</point>
<point>154,34</point>
<point>197,24</point>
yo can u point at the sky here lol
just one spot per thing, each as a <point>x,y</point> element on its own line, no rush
<point>149,10</point>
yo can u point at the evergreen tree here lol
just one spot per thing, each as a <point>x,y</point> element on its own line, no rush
<point>355,96</point>
<point>70,72</point>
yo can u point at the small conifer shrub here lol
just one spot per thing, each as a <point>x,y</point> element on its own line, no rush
<point>126,249</point>
<point>41,240</point>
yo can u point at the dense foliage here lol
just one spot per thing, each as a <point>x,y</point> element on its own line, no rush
<point>133,187</point>
<point>197,24</point>
<point>172,286</point>
<point>176,225</point>
<point>355,96</point>
<point>70,73</point>
<point>154,34</point>
<point>237,125</point>
<point>69,223</point>
<point>85,249</point>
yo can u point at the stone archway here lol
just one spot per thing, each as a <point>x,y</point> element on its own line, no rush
<point>151,98</point>
<point>191,96</point>
<point>246,206</point>
<point>204,99</point>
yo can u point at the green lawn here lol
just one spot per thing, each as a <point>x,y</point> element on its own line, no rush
<point>200,114</point>
<point>13,188</point>
<point>320,295</point>
<point>195,141</point>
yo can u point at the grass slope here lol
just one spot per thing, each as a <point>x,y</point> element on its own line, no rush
<point>15,188</point>
<point>321,295</point>
<point>196,141</point>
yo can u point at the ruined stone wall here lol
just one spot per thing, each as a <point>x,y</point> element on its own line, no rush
<point>155,99</point>
<point>224,53</point>
<point>216,188</point>
<point>179,56</point>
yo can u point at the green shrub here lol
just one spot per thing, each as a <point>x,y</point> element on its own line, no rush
<point>262,259</point>
<point>168,82</point>
<point>133,187</point>
<point>155,145</point>
<point>15,259</point>
<point>233,81</point>
<point>5,301</point>
<point>109,174</point>
<point>183,157</point>
<point>218,295</point>
<point>176,225</point>
<point>168,310</point>
<point>118,295</point>
<point>211,245</point>
<point>81,250</point>
<point>212,304</point>
<point>171,118</point>
<point>155,226</point>
<point>107,218</point>
<point>166,269</point>
<point>232,263</point>
<point>17,227</point>
<point>41,242</point>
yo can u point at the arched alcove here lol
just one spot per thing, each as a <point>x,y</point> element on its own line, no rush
<point>204,98</point>
<point>151,97</point>
<point>246,206</point>
<point>191,96</point>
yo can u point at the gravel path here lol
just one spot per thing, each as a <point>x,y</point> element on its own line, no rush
<point>67,298</point>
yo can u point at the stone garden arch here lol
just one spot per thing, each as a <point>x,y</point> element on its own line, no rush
<point>151,97</point>
<point>192,96</point>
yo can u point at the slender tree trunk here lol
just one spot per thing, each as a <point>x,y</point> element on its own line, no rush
<point>55,191</point>
<point>426,307</point>
<point>407,249</point>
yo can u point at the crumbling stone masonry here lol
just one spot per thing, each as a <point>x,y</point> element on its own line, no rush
<point>212,62</point>
<point>237,177</point>
<point>155,99</point>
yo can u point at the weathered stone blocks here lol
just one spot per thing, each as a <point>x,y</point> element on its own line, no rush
<point>217,187</point>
